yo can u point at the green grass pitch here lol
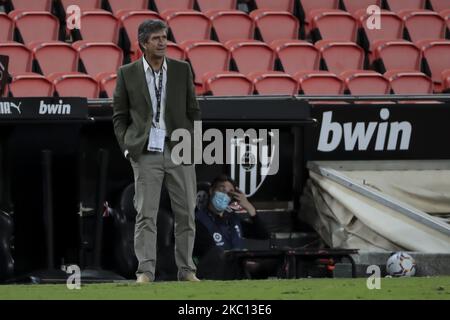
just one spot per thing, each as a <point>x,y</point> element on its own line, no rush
<point>298,289</point>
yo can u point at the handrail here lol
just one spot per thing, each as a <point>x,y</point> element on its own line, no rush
<point>392,97</point>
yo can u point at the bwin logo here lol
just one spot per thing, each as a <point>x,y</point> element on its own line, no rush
<point>5,107</point>
<point>54,108</point>
<point>361,135</point>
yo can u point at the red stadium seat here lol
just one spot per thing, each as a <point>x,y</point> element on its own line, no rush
<point>275,25</point>
<point>280,5</point>
<point>398,5</point>
<point>6,28</point>
<point>30,85</point>
<point>97,26</point>
<point>107,82</point>
<point>396,54</point>
<point>173,51</point>
<point>409,82</point>
<point>20,57</point>
<point>231,25</point>
<point>117,5</point>
<point>437,57</point>
<point>306,6</point>
<point>416,20</point>
<point>329,24</point>
<point>74,85</point>
<point>365,82</point>
<point>129,23</point>
<point>274,83</point>
<point>251,55</point>
<point>54,56</point>
<point>392,28</point>
<point>227,83</point>
<point>339,56</point>
<point>188,25</point>
<point>177,5</point>
<point>446,80</point>
<point>440,5</point>
<point>35,25</point>
<point>207,5</point>
<point>206,56</point>
<point>85,5</point>
<point>354,5</point>
<point>98,57</point>
<point>445,14</point>
<point>296,55</point>
<point>32,5</point>
<point>319,83</point>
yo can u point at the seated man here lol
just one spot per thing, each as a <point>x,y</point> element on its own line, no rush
<point>220,228</point>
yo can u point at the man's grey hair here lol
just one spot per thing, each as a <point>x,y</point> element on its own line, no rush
<point>147,28</point>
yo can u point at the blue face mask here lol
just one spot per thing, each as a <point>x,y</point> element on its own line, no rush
<point>220,201</point>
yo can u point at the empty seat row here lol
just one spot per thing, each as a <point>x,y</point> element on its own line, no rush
<point>62,85</point>
<point>54,56</point>
<point>356,82</point>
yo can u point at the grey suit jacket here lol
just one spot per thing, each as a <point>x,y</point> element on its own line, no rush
<point>133,112</point>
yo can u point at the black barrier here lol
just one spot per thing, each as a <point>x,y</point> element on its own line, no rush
<point>35,109</point>
<point>3,73</point>
<point>379,132</point>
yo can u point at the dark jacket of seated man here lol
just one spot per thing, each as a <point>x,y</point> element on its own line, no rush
<point>220,228</point>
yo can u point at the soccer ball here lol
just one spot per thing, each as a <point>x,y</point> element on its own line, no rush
<point>401,264</point>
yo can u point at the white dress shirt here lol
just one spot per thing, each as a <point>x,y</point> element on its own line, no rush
<point>151,89</point>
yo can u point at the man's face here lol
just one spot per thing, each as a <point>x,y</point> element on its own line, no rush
<point>156,44</point>
<point>225,187</point>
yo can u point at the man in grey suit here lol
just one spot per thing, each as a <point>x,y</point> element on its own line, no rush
<point>153,97</point>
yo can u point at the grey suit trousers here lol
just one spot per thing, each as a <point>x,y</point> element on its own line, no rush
<point>150,171</point>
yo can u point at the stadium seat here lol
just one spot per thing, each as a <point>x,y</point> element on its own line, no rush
<point>280,5</point>
<point>176,5</point>
<point>54,56</point>
<point>338,56</point>
<point>98,57</point>
<point>329,24</point>
<point>306,6</point>
<point>30,85</point>
<point>227,83</point>
<point>32,5</point>
<point>439,5</point>
<point>97,26</point>
<point>436,57</point>
<point>416,20</point>
<point>6,28</point>
<point>392,28</point>
<point>274,83</point>
<point>398,5</point>
<point>188,25</point>
<point>20,57</point>
<point>395,54</point>
<point>409,82</point>
<point>251,55</point>
<point>173,51</point>
<point>35,25</point>
<point>319,83</point>
<point>74,85</point>
<point>85,5</point>
<point>208,5</point>
<point>107,82</point>
<point>446,80</point>
<point>365,82</point>
<point>445,14</point>
<point>352,6</point>
<point>200,53</point>
<point>275,25</point>
<point>231,25</point>
<point>117,5</point>
<point>129,23</point>
<point>296,55</point>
